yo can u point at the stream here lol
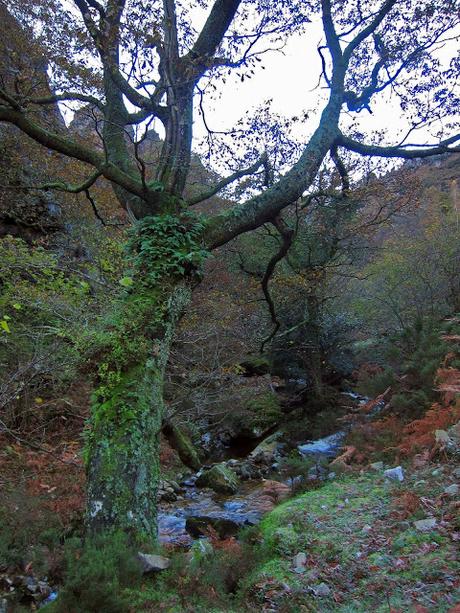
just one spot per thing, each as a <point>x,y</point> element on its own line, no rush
<point>245,508</point>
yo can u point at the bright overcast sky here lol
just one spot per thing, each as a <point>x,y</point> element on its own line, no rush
<point>291,79</point>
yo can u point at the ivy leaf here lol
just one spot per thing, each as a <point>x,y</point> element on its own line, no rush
<point>17,306</point>
<point>4,325</point>
<point>126,282</point>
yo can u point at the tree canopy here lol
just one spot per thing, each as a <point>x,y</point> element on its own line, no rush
<point>134,62</point>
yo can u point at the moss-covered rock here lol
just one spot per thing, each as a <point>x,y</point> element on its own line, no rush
<point>263,412</point>
<point>255,365</point>
<point>219,478</point>
<point>181,442</point>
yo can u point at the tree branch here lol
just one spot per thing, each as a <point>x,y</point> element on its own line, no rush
<point>287,236</point>
<point>210,37</point>
<point>70,148</point>
<point>359,38</point>
<point>68,96</point>
<point>400,151</point>
<point>227,180</point>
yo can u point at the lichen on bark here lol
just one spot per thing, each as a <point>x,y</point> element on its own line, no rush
<point>122,443</point>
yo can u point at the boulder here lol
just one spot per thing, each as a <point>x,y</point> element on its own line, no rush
<point>180,441</point>
<point>153,563</point>
<point>224,525</point>
<point>266,452</point>
<point>396,474</point>
<point>219,478</point>
<point>321,589</point>
<point>255,365</point>
<point>425,525</point>
<point>452,490</point>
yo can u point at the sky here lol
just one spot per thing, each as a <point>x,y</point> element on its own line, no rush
<point>291,80</point>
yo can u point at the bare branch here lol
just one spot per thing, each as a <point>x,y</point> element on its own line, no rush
<point>416,151</point>
<point>287,236</point>
<point>228,180</point>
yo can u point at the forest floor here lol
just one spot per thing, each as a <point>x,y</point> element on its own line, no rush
<point>354,543</point>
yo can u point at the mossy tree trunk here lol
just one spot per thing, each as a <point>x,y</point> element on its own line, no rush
<point>123,442</point>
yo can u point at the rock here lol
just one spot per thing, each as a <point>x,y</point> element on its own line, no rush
<point>276,490</point>
<point>452,490</point>
<point>376,465</point>
<point>424,525</point>
<point>153,563</point>
<point>266,451</point>
<point>332,475</point>
<point>322,589</point>
<point>396,474</point>
<point>327,446</point>
<point>300,561</point>
<point>225,526</point>
<point>183,445</point>
<point>366,529</point>
<point>200,550</point>
<point>456,472</point>
<point>176,487</point>
<point>255,365</point>
<point>219,478</point>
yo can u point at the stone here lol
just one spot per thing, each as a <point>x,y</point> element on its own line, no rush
<point>322,589</point>
<point>376,465</point>
<point>176,487</point>
<point>266,451</point>
<point>451,490</point>
<point>153,563</point>
<point>224,526</point>
<point>220,478</point>
<point>396,474</point>
<point>456,472</point>
<point>425,525</point>
<point>201,550</point>
<point>255,365</point>
<point>366,529</point>
<point>181,442</point>
<point>300,561</point>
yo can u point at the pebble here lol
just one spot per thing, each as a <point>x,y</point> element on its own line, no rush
<point>299,562</point>
<point>396,474</point>
<point>376,465</point>
<point>424,525</point>
<point>451,490</point>
<point>322,589</point>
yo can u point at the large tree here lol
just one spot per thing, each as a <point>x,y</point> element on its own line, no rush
<point>136,61</point>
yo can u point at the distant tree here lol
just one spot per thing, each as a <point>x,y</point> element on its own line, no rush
<point>135,61</point>
<point>332,236</point>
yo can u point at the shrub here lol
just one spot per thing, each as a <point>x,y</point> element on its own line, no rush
<point>96,574</point>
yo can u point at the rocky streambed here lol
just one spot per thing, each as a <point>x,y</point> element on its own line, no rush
<point>237,492</point>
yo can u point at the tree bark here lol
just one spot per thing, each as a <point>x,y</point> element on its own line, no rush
<point>122,447</point>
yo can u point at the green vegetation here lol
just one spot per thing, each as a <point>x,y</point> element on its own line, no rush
<point>97,574</point>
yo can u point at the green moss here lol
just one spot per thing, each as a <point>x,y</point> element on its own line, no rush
<point>181,442</point>
<point>262,412</point>
<point>122,443</point>
<point>349,526</point>
<point>220,478</point>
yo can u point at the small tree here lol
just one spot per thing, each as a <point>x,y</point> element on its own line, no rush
<point>135,61</point>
